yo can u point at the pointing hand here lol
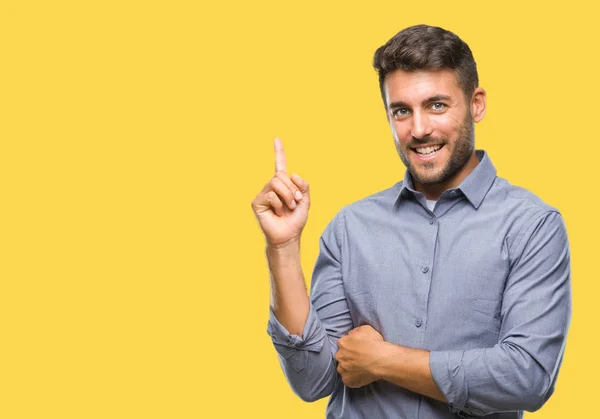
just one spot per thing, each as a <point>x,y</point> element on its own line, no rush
<point>281,208</point>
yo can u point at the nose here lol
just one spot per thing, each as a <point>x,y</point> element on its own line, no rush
<point>421,126</point>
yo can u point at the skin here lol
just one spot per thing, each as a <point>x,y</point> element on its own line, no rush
<point>430,108</point>
<point>363,357</point>
<point>425,107</point>
<point>281,209</point>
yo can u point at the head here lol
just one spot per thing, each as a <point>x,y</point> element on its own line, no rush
<point>429,85</point>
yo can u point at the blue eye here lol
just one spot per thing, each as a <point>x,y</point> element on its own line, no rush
<point>400,112</point>
<point>438,106</point>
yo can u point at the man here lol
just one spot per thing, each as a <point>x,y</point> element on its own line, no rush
<point>447,294</point>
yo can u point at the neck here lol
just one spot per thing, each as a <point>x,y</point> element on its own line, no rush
<point>432,191</point>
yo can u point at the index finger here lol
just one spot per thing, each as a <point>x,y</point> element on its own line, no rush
<point>280,165</point>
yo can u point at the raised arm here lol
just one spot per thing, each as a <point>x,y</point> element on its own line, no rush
<point>304,332</point>
<point>281,209</point>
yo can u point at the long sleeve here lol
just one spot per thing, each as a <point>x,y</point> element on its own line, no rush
<point>519,373</point>
<point>307,361</point>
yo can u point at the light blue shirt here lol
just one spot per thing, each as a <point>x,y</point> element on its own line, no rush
<point>483,282</point>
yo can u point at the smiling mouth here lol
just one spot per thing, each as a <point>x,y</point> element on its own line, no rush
<point>428,151</point>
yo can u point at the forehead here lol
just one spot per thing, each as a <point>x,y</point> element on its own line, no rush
<point>416,86</point>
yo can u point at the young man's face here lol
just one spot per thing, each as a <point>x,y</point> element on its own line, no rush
<point>432,124</point>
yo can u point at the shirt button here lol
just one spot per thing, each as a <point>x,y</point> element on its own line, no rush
<point>432,221</point>
<point>425,269</point>
<point>418,322</point>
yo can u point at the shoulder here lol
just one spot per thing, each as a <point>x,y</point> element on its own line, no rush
<point>520,195</point>
<point>524,211</point>
<point>366,211</point>
<point>517,200</point>
<point>380,201</point>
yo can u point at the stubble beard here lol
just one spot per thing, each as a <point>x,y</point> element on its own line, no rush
<point>463,149</point>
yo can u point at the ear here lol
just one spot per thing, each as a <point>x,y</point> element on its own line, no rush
<point>478,104</point>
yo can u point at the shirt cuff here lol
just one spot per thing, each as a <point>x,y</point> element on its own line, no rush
<point>293,348</point>
<point>448,374</point>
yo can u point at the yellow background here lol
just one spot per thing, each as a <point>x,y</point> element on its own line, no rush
<point>134,135</point>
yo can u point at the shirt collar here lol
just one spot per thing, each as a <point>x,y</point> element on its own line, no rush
<point>475,186</point>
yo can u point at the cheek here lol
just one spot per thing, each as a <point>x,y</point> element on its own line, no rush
<point>447,127</point>
<point>400,133</point>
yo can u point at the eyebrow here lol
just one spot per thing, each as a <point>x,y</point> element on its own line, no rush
<point>436,98</point>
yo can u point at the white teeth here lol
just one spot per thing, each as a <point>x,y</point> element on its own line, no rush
<point>428,150</point>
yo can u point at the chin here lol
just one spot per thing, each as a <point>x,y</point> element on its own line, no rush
<point>429,178</point>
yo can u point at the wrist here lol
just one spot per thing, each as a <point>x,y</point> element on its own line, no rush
<point>388,355</point>
<point>290,246</point>
<point>284,260</point>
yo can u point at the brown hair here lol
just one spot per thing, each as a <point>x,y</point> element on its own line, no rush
<point>423,47</point>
